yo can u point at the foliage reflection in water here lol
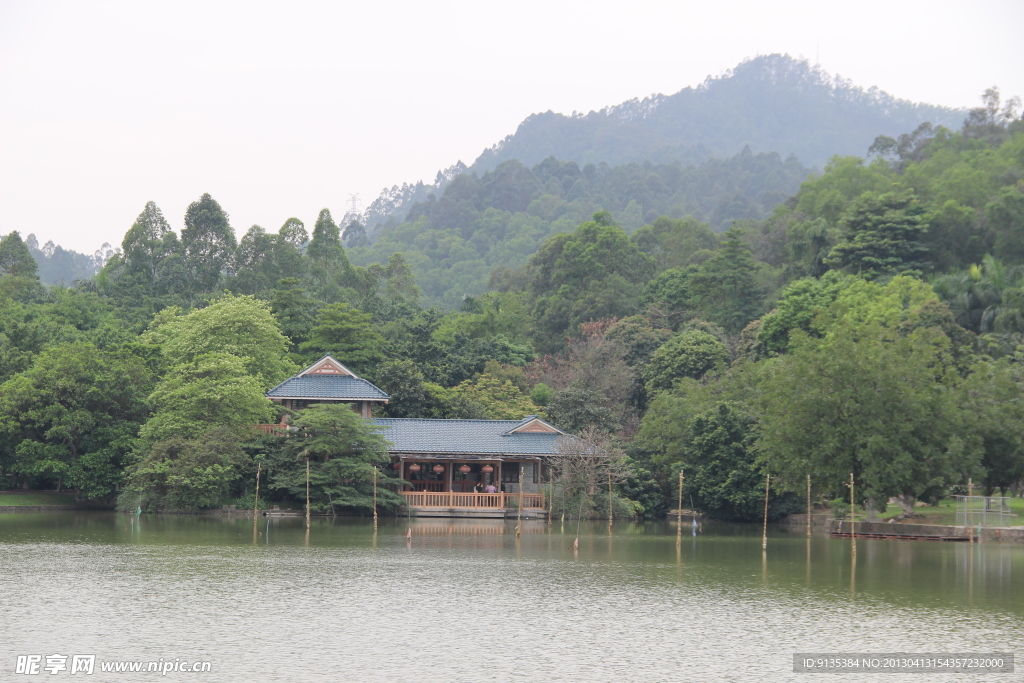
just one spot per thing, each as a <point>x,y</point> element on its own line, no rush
<point>465,600</point>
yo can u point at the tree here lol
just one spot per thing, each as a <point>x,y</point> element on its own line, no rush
<point>883,235</point>
<point>72,417</point>
<point>19,280</point>
<point>584,467</point>
<point>801,302</point>
<point>142,246</point>
<point>404,385</point>
<point>500,399</point>
<point>345,333</point>
<point>293,232</point>
<point>724,477</point>
<point>343,451</point>
<point>209,242</point>
<point>866,399</point>
<point>254,262</point>
<point>692,354</point>
<point>355,235</point>
<point>208,391</point>
<point>723,288</point>
<point>993,400</point>
<point>329,264</point>
<point>186,474</point>
<point>15,258</point>
<point>592,273</point>
<point>241,326</point>
<point>295,311</point>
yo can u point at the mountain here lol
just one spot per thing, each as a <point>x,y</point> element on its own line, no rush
<point>771,103</point>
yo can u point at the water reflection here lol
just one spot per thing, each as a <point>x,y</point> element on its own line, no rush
<point>636,604</point>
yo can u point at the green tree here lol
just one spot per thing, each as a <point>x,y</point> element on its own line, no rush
<point>882,235</point>
<point>993,400</point>
<point>343,451</point>
<point>870,400</point>
<point>692,354</point>
<point>347,334</point>
<point>500,399</point>
<point>208,391</point>
<point>15,258</point>
<point>180,474</point>
<point>295,311</point>
<point>208,241</point>
<point>19,279</point>
<point>241,326</point>
<point>724,290</point>
<point>73,416</point>
<point>330,266</point>
<point>724,477</point>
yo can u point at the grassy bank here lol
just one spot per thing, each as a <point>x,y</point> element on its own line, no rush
<point>36,498</point>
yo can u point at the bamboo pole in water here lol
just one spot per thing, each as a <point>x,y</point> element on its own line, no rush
<point>519,515</point>
<point>256,505</point>
<point>679,512</point>
<point>808,506</point>
<point>374,497</point>
<point>853,529</point>
<point>764,529</point>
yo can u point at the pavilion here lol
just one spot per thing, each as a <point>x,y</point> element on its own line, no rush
<point>443,462</point>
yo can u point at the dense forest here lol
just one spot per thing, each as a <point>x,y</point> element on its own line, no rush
<point>872,323</point>
<point>452,243</point>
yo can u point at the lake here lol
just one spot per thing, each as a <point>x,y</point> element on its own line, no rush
<point>465,600</point>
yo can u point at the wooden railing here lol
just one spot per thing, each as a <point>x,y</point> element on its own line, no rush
<point>269,429</point>
<point>455,499</point>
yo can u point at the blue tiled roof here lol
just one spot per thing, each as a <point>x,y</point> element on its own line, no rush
<point>490,437</point>
<point>328,386</point>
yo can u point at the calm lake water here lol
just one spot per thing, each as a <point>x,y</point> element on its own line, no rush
<point>467,601</point>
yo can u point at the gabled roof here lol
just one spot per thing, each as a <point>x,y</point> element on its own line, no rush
<point>482,437</point>
<point>327,366</point>
<point>327,379</point>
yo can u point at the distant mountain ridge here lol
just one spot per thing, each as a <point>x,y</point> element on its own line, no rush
<point>771,103</point>
<point>60,266</point>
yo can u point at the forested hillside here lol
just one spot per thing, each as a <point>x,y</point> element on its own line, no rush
<point>453,242</point>
<point>872,324</point>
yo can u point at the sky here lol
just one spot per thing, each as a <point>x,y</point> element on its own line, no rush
<point>281,109</point>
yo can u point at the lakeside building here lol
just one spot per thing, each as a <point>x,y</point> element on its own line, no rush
<point>441,461</point>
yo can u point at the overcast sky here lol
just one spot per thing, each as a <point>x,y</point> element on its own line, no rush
<point>280,109</point>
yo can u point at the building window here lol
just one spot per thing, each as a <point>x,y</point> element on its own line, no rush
<point>510,473</point>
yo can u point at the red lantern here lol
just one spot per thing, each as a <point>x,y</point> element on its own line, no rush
<point>465,469</point>
<point>397,465</point>
<point>414,467</point>
<point>486,469</point>
<point>438,469</point>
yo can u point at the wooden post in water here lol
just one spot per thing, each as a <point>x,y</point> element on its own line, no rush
<point>519,515</point>
<point>679,511</point>
<point>551,495</point>
<point>256,505</point>
<point>970,491</point>
<point>307,492</point>
<point>374,497</point>
<point>610,512</point>
<point>853,529</point>
<point>764,528</point>
<point>808,506</point>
